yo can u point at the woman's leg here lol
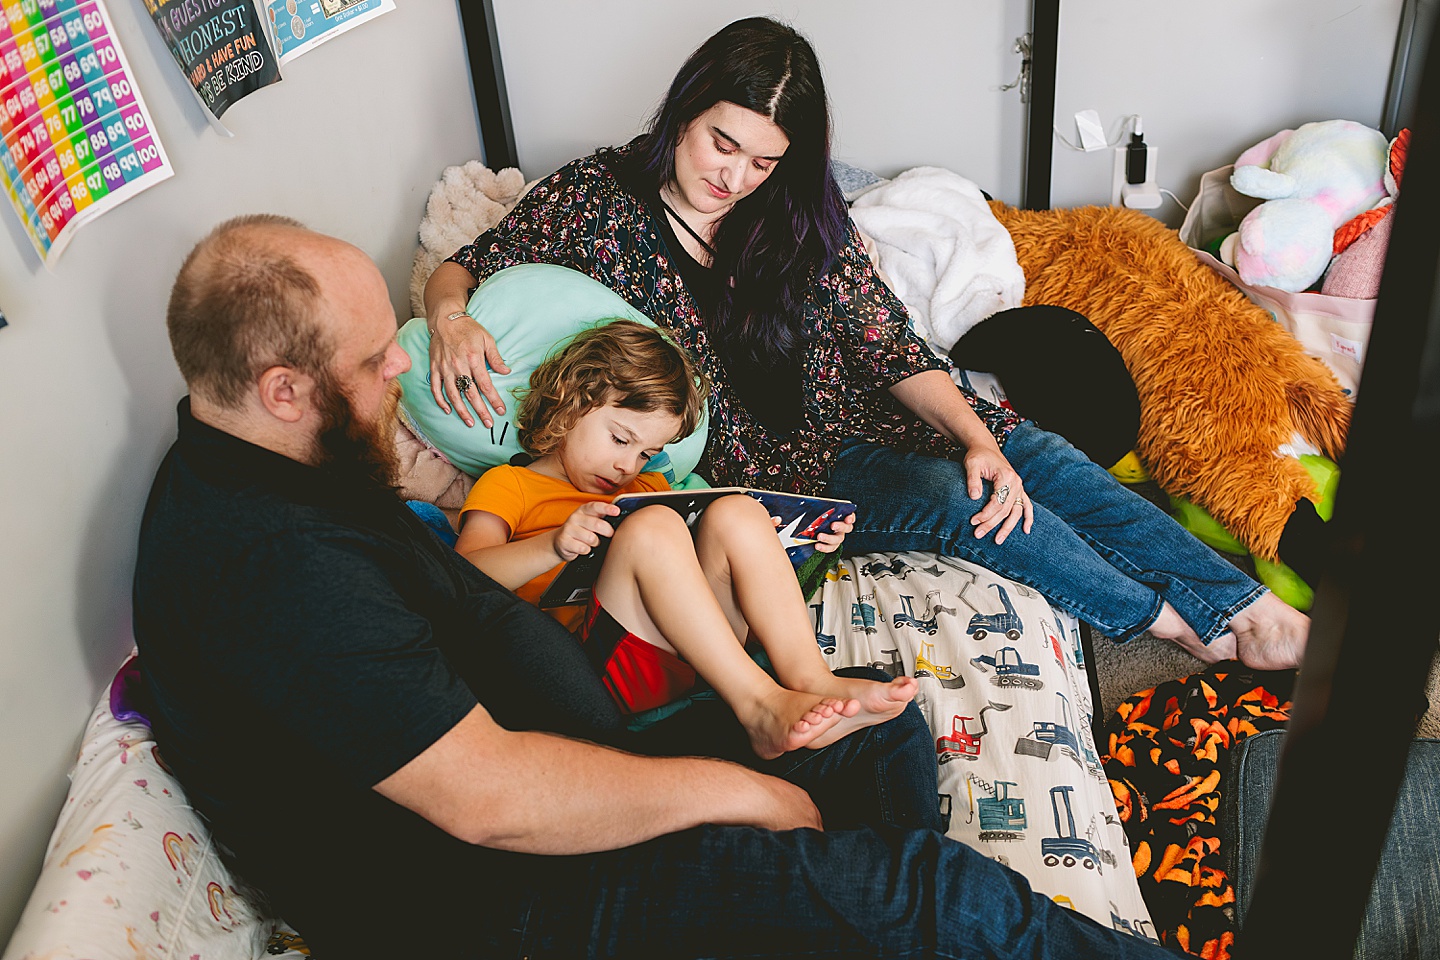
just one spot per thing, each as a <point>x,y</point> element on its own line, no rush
<point>1097,550</point>
<point>653,586</point>
<point>1147,544</point>
<point>910,501</point>
<point>754,581</point>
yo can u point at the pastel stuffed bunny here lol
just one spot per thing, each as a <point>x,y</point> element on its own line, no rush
<point>1313,179</point>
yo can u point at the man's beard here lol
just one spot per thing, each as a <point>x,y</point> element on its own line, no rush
<point>351,447</point>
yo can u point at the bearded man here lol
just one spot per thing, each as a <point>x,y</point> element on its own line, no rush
<point>388,743</point>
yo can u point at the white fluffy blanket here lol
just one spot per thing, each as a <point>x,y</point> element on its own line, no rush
<point>942,250</point>
<point>468,200</point>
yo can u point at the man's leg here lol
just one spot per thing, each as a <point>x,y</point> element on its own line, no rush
<point>883,774</point>
<point>717,892</point>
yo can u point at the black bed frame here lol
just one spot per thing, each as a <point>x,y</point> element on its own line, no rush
<point>1375,626</point>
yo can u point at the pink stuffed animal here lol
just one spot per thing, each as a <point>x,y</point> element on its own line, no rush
<point>1313,179</point>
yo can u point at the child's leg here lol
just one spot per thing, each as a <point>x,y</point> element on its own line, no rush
<point>755,583</point>
<point>652,585</point>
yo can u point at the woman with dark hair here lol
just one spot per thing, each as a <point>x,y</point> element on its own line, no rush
<point>723,223</point>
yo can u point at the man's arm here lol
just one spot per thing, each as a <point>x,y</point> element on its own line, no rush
<point>541,793</point>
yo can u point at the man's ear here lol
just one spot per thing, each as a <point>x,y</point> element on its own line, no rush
<point>286,393</point>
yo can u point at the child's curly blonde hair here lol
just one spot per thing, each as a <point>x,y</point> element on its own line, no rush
<point>619,361</point>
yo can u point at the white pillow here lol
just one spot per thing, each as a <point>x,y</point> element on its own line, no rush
<point>1004,690</point>
<point>131,870</point>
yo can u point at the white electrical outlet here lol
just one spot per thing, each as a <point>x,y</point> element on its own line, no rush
<point>1140,196</point>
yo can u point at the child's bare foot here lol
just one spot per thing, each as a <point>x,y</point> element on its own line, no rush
<point>879,701</point>
<point>876,696</point>
<point>1270,634</point>
<point>788,720</point>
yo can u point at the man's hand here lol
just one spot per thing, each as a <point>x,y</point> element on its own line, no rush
<point>582,530</point>
<point>780,805</point>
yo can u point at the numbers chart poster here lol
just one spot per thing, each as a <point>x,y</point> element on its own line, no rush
<point>302,25</point>
<point>78,139</point>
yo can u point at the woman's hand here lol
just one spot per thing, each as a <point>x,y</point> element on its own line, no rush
<point>934,398</point>
<point>830,541</point>
<point>1008,504</point>
<point>462,352</point>
<point>582,530</point>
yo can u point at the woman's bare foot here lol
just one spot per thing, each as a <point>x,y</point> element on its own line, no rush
<point>786,720</point>
<point>1270,634</point>
<point>1171,626</point>
<point>879,701</point>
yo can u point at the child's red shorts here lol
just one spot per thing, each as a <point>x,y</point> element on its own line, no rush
<point>638,674</point>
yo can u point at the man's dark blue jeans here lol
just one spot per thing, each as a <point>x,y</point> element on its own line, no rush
<point>881,881</point>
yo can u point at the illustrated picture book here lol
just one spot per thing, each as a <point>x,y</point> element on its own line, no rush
<point>799,522</point>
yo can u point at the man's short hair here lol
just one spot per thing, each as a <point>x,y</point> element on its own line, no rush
<point>240,305</point>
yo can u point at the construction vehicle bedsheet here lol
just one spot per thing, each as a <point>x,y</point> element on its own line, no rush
<point>1004,689</point>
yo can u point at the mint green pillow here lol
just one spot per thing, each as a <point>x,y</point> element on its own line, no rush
<point>531,310</point>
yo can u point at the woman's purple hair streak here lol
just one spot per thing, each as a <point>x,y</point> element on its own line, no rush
<point>775,242</point>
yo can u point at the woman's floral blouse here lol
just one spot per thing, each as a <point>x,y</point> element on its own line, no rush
<point>859,337</point>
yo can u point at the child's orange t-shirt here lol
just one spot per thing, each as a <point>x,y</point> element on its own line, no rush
<point>531,503</point>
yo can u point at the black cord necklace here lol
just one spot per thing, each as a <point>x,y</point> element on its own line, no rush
<point>688,229</point>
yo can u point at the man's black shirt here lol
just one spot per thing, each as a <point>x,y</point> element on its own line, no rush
<point>303,636</point>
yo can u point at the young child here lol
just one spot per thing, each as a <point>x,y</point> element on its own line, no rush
<point>666,605</point>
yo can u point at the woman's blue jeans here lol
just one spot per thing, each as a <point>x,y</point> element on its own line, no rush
<point>1096,549</point>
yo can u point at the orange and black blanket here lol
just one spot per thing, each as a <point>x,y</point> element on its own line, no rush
<point>1167,758</point>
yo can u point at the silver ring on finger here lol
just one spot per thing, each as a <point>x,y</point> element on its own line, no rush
<point>1002,494</point>
<point>463,383</point>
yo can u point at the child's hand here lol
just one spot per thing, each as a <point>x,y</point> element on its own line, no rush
<point>583,529</point>
<point>830,542</point>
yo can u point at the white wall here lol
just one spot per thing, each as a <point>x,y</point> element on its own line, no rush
<point>917,81</point>
<point>911,82</point>
<point>1212,79</point>
<point>350,142</point>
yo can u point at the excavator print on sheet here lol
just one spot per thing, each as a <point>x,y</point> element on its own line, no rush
<point>1140,927</point>
<point>1010,668</point>
<point>962,742</point>
<point>925,666</point>
<point>1007,622</point>
<point>826,641</point>
<point>862,614</point>
<point>897,567</point>
<point>894,666</point>
<point>1044,738</point>
<point>1002,817</point>
<point>1067,847</point>
<point>907,618</point>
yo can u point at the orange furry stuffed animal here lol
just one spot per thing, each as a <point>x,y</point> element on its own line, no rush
<point>1221,385</point>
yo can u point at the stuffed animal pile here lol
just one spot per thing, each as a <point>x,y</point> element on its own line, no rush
<point>1325,186</point>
